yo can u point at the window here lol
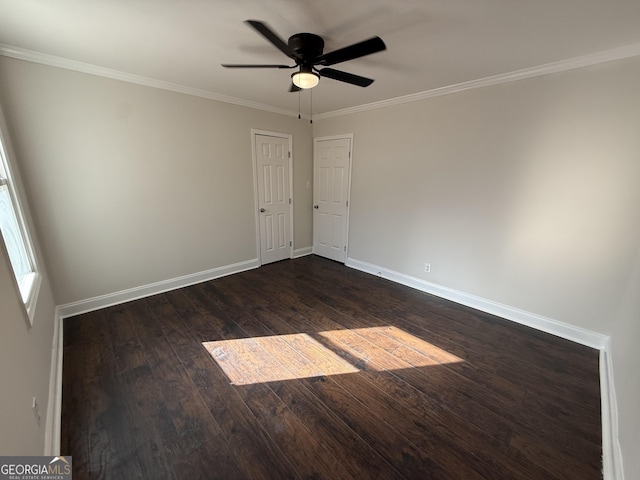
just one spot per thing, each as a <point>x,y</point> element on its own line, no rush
<point>15,234</point>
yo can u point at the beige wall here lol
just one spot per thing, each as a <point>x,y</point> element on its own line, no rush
<point>25,360</point>
<point>25,353</point>
<point>132,185</point>
<point>523,193</point>
<point>626,361</point>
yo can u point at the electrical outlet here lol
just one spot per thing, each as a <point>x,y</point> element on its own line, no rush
<point>427,267</point>
<point>36,410</point>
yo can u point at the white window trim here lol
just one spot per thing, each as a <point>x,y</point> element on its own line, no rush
<point>29,287</point>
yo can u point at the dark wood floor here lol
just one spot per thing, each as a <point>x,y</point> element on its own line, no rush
<point>330,373</point>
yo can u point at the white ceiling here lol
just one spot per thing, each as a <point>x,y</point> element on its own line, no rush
<point>430,43</point>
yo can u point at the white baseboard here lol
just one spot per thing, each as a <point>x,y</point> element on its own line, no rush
<point>611,453</point>
<point>301,252</point>
<point>612,468</point>
<point>54,405</point>
<point>612,457</point>
<point>103,301</point>
<point>548,325</point>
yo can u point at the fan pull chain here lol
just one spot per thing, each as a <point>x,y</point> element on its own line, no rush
<point>299,117</point>
<point>311,107</point>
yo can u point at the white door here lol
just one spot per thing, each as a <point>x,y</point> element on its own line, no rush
<point>331,171</point>
<point>274,197</point>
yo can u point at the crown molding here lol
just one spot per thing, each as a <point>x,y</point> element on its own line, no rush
<point>620,53</point>
<point>60,62</point>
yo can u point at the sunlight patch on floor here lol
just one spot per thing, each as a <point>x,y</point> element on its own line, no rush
<point>286,357</point>
<point>389,348</point>
<point>280,357</point>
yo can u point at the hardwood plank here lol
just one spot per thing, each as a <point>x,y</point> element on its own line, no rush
<point>210,461</point>
<point>355,456</point>
<point>497,384</point>
<point>308,455</point>
<point>500,334</point>
<point>244,377</point>
<point>128,352</point>
<point>433,388</point>
<point>489,466</point>
<point>407,458</point>
<point>113,452</point>
<point>453,427</point>
<point>579,446</point>
<point>351,451</point>
<point>189,415</point>
<point>74,436</point>
<point>151,427</point>
<point>254,452</point>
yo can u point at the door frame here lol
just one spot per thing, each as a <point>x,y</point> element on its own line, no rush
<point>289,137</point>
<point>346,232</point>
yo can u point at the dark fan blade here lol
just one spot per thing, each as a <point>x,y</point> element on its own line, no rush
<point>294,88</point>
<point>346,77</point>
<point>242,65</point>
<point>273,37</point>
<point>356,50</point>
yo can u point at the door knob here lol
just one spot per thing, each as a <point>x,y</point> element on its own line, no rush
<point>316,207</point>
<point>262,210</point>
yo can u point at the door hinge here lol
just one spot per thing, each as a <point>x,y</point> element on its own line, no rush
<point>347,203</point>
<point>289,154</point>
<point>290,243</point>
<point>289,201</point>
<point>345,248</point>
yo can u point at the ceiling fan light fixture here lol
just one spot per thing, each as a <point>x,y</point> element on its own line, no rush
<point>305,79</point>
<point>307,51</point>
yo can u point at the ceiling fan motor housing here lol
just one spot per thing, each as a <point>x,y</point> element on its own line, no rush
<point>306,49</point>
<point>306,46</point>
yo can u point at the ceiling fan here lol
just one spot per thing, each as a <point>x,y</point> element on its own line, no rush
<point>306,50</point>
